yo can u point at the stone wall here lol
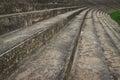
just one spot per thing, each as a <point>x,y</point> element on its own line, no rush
<point>11,59</point>
<point>20,20</point>
<point>15,6</point>
<point>8,8</point>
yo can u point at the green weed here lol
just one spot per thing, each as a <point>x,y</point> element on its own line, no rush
<point>115,16</point>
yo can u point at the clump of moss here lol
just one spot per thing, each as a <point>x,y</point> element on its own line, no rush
<point>115,16</point>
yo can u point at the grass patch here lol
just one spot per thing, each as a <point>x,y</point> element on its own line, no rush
<point>115,16</point>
